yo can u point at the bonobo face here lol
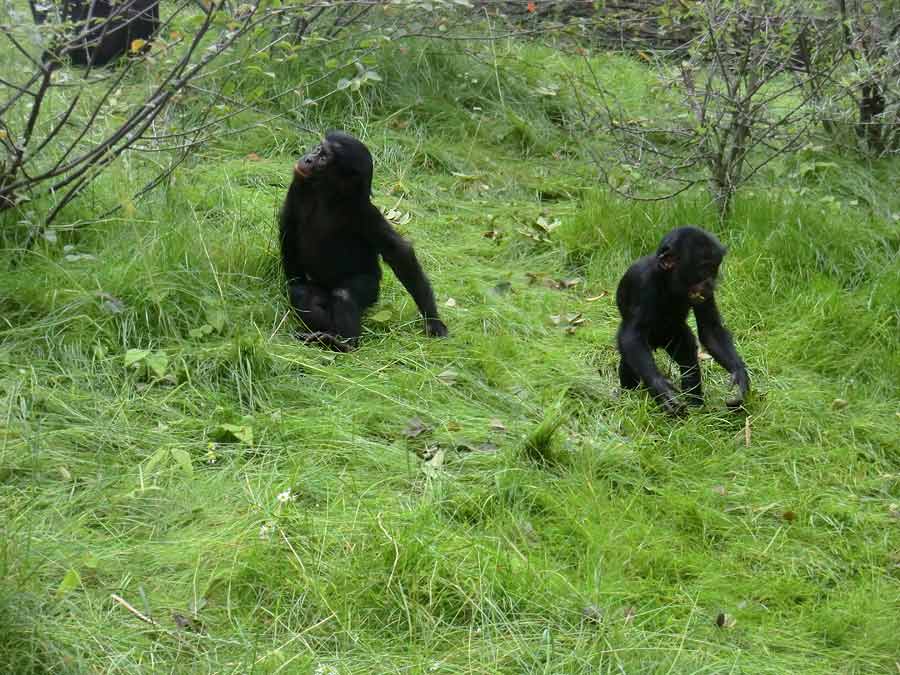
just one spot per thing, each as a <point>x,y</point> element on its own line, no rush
<point>313,163</point>
<point>341,162</point>
<point>701,283</point>
<point>692,256</point>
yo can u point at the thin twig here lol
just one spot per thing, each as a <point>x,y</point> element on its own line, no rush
<point>131,608</point>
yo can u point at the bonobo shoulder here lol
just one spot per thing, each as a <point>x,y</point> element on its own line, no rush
<point>642,271</point>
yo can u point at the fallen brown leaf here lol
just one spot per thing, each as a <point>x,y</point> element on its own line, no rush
<point>724,620</point>
<point>592,614</point>
<point>448,376</point>
<point>415,427</point>
<point>485,447</point>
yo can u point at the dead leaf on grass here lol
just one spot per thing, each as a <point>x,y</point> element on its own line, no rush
<point>397,217</point>
<point>187,623</point>
<point>724,620</point>
<point>571,322</point>
<point>415,427</point>
<point>541,279</point>
<point>594,298</point>
<point>448,376</point>
<point>485,447</point>
<point>502,288</point>
<point>592,614</point>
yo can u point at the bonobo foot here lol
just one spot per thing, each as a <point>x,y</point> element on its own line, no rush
<point>328,340</point>
<point>434,327</point>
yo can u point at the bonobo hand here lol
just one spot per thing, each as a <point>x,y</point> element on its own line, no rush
<point>668,398</point>
<point>672,405</point>
<point>434,327</point>
<point>741,380</point>
<point>334,342</point>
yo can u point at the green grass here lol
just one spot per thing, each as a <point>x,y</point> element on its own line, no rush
<point>543,522</point>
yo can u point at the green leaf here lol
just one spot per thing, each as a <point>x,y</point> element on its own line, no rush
<point>156,458</point>
<point>183,459</point>
<point>382,316</point>
<point>343,83</point>
<point>158,363</point>
<point>135,356</point>
<point>216,318</point>
<point>239,432</point>
<point>70,582</point>
<point>205,329</point>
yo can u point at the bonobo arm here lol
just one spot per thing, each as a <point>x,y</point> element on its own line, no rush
<point>399,254</point>
<point>717,340</point>
<point>637,354</point>
<point>289,237</point>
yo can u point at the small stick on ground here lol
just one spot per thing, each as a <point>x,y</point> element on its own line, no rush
<point>130,608</point>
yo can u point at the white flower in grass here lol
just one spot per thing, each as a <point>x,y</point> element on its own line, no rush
<point>266,530</point>
<point>284,497</point>
<point>324,669</point>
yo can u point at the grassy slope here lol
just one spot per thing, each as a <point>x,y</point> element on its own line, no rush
<point>479,560</point>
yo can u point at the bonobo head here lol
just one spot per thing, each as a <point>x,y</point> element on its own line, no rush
<point>341,163</point>
<point>690,258</point>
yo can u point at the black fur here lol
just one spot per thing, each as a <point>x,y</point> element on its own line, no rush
<point>103,30</point>
<point>654,298</point>
<point>331,237</point>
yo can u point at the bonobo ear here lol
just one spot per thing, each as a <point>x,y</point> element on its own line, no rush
<point>665,259</point>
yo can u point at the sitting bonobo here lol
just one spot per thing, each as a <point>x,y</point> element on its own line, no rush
<point>331,238</point>
<point>654,298</point>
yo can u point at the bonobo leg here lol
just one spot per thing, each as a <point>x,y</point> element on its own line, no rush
<point>349,301</point>
<point>311,304</point>
<point>334,318</point>
<point>683,350</point>
<point>628,379</point>
<point>637,359</point>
